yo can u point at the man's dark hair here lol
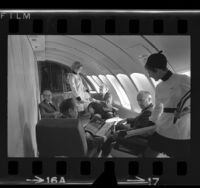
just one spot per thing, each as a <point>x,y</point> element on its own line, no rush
<point>156,61</point>
<point>66,105</point>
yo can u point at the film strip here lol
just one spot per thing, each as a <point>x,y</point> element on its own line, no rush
<point>99,171</point>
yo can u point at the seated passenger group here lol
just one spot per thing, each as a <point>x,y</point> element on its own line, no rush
<point>171,115</point>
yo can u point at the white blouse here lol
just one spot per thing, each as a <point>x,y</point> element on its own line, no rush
<point>168,95</point>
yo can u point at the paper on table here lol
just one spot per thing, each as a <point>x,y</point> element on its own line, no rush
<point>114,119</point>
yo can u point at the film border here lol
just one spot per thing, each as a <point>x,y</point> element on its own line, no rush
<point>171,170</point>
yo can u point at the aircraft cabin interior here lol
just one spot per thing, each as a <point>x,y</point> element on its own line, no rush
<point>41,66</point>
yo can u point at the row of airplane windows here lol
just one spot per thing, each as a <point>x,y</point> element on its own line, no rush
<point>125,90</point>
<point>122,88</point>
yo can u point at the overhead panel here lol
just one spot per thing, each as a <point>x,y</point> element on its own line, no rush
<point>110,54</point>
<point>134,47</point>
<point>75,47</point>
<point>38,46</point>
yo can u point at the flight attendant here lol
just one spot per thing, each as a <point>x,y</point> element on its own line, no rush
<point>172,109</point>
<point>79,92</point>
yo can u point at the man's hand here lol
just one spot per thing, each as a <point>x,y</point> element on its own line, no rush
<point>158,110</point>
<point>57,114</point>
<point>124,121</point>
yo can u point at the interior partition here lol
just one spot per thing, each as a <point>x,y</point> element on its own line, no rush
<point>23,98</point>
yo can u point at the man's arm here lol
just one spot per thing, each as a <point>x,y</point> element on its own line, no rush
<point>130,121</point>
<point>158,110</point>
<point>141,120</point>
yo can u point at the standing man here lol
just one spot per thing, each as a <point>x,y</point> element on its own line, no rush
<point>172,110</point>
<point>78,89</point>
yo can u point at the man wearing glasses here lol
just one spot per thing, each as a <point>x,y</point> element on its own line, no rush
<point>47,108</point>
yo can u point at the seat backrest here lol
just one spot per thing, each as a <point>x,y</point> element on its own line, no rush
<point>61,137</point>
<point>57,100</point>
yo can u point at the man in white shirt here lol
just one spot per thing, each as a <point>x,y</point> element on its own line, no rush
<point>79,92</point>
<point>172,110</point>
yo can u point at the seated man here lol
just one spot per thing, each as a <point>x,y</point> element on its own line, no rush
<point>144,100</point>
<point>96,111</point>
<point>69,110</point>
<point>142,120</point>
<point>108,107</point>
<point>47,108</point>
<point>102,110</point>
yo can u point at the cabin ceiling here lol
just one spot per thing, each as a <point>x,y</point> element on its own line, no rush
<point>103,54</point>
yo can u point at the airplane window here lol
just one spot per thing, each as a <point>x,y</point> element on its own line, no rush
<point>86,84</point>
<point>130,91</point>
<point>53,76</point>
<point>142,83</point>
<point>98,81</point>
<point>112,90</point>
<point>94,83</point>
<point>120,91</point>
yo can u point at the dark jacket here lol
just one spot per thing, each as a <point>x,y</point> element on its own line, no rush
<point>98,109</point>
<point>100,96</point>
<point>142,120</point>
<point>47,110</point>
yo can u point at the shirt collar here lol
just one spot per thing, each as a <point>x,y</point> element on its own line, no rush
<point>167,76</point>
<point>150,106</point>
<point>48,102</point>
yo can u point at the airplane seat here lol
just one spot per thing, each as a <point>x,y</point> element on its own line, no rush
<point>57,100</point>
<point>61,138</point>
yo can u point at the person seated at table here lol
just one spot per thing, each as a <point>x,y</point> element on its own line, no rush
<point>97,112</point>
<point>69,110</point>
<point>47,108</point>
<point>102,110</point>
<point>110,110</point>
<point>144,100</point>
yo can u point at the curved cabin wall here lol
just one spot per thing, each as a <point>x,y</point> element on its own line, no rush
<point>23,92</point>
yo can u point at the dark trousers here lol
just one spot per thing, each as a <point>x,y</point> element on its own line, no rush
<point>171,147</point>
<point>135,144</point>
